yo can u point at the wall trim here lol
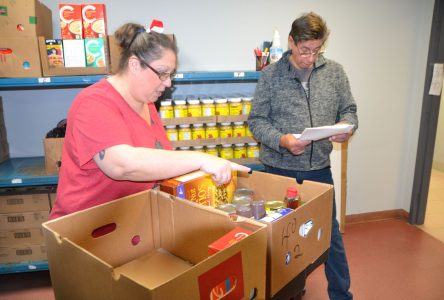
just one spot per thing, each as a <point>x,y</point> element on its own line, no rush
<point>377,216</point>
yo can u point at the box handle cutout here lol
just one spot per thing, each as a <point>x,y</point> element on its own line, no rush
<point>305,228</point>
<point>223,288</point>
<point>135,240</point>
<point>103,230</point>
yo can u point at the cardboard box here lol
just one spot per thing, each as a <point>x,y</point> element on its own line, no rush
<point>15,202</point>
<point>23,253</point>
<point>53,154</point>
<point>70,21</point>
<point>199,187</point>
<point>19,57</point>
<point>145,246</point>
<point>20,237</point>
<point>23,220</point>
<point>298,238</point>
<point>25,18</point>
<point>114,52</point>
<point>49,70</point>
<point>94,21</point>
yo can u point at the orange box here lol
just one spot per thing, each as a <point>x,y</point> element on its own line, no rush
<point>70,21</point>
<point>200,188</point>
<point>228,239</point>
<point>94,21</point>
<point>54,51</point>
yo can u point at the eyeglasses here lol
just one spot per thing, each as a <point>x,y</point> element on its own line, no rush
<point>308,52</point>
<point>163,76</point>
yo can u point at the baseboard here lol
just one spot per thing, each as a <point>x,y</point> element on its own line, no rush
<point>377,216</point>
<point>438,165</point>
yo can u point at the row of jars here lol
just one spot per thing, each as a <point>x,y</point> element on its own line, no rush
<point>205,107</point>
<point>187,132</point>
<point>228,151</point>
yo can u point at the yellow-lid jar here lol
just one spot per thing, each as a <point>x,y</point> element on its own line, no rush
<point>211,131</point>
<point>211,149</point>
<point>240,151</point>
<point>184,132</point>
<point>172,133</point>
<point>235,105</point>
<point>208,107</point>
<point>166,110</point>
<point>221,107</point>
<point>225,130</point>
<point>226,151</point>
<point>194,108</point>
<point>180,109</point>
<point>238,129</point>
<point>252,150</point>
<point>246,105</point>
<point>197,132</point>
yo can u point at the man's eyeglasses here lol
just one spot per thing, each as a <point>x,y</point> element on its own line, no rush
<point>308,52</point>
<point>162,75</point>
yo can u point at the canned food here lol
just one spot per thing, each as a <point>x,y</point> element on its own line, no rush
<point>240,151</point>
<point>194,108</point>
<point>227,151</point>
<point>212,131</point>
<point>198,132</point>
<point>243,197</point>
<point>235,106</point>
<point>166,110</point>
<point>211,149</point>
<point>180,109</point>
<point>172,132</point>
<point>239,129</point>
<point>208,108</point>
<point>225,130</point>
<point>221,107</point>
<point>184,132</point>
<point>252,150</point>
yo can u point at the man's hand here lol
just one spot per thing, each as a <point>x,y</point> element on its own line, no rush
<point>292,144</point>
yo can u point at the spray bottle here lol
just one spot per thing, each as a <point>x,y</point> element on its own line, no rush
<point>276,50</point>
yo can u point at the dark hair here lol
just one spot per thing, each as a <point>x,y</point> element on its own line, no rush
<point>149,46</point>
<point>309,26</point>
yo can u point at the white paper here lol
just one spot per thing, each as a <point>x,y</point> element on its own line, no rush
<point>318,133</point>
<point>436,85</point>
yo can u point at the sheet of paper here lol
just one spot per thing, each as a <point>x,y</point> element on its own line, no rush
<point>436,84</point>
<point>318,133</point>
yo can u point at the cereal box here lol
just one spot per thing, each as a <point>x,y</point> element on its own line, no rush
<point>95,52</point>
<point>199,187</point>
<point>70,21</point>
<point>94,20</point>
<point>54,49</point>
<point>228,239</point>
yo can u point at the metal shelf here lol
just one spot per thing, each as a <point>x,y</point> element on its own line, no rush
<point>84,80</point>
<point>25,171</point>
<point>24,267</point>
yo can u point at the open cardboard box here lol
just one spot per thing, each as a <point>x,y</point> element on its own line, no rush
<point>152,245</point>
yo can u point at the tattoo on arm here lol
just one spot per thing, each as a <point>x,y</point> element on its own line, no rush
<point>102,155</point>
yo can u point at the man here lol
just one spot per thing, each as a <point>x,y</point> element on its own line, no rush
<point>304,89</point>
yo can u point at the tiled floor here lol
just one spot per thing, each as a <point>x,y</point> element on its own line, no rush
<point>434,219</point>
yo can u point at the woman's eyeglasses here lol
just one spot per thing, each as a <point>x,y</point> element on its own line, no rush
<point>162,75</point>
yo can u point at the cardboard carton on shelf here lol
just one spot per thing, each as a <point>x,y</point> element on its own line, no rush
<point>53,154</point>
<point>19,57</point>
<point>152,245</point>
<point>23,19</point>
<point>22,253</point>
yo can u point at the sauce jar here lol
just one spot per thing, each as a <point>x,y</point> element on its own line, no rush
<point>252,150</point>
<point>172,133</point>
<point>184,132</point>
<point>197,132</point>
<point>166,110</point>
<point>194,108</point>
<point>211,149</point>
<point>238,129</point>
<point>235,105</point>
<point>246,105</point>
<point>227,151</point>
<point>208,108</point>
<point>225,130</point>
<point>180,109</point>
<point>248,131</point>
<point>240,151</point>
<point>212,131</point>
<point>198,148</point>
<point>221,107</point>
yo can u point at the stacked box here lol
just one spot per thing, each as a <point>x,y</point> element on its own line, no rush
<point>21,22</point>
<point>22,212</point>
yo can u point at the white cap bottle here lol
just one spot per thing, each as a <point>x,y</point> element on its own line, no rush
<point>276,50</point>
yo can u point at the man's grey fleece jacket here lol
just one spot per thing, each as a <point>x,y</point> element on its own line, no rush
<point>282,106</point>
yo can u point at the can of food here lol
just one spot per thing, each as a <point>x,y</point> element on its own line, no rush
<point>172,133</point>
<point>208,108</point>
<point>246,105</point>
<point>211,131</point>
<point>235,105</point>
<point>198,132</point>
<point>166,110</point>
<point>221,107</point>
<point>194,108</point>
<point>225,130</point>
<point>180,109</point>
<point>252,150</point>
<point>227,151</point>
<point>238,129</point>
<point>184,132</point>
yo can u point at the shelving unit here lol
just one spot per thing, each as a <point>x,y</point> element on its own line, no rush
<point>30,171</point>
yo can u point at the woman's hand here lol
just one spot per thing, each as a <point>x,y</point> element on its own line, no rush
<point>220,169</point>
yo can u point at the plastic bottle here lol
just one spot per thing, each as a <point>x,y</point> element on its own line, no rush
<point>276,50</point>
<point>292,197</point>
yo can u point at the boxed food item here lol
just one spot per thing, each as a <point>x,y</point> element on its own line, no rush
<point>94,21</point>
<point>70,21</point>
<point>74,53</point>
<point>199,187</point>
<point>54,50</point>
<point>228,239</point>
<point>53,154</point>
<point>25,18</point>
<point>19,57</point>
<point>152,245</point>
<point>95,52</point>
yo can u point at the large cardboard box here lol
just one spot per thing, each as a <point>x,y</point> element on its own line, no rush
<point>152,245</point>
<point>22,253</point>
<point>20,237</point>
<point>24,18</point>
<point>53,154</point>
<point>18,202</point>
<point>297,239</point>
<point>23,220</point>
<point>19,57</point>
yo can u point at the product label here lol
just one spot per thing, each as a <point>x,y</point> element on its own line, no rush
<point>70,21</point>
<point>95,52</point>
<point>93,18</point>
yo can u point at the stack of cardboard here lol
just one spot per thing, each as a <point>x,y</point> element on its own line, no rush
<point>21,22</point>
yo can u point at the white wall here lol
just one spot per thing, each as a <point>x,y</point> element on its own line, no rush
<point>382,45</point>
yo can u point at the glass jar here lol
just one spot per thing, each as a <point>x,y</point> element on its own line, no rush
<point>184,148</point>
<point>252,150</point>
<point>235,105</point>
<point>184,132</point>
<point>225,130</point>
<point>221,107</point>
<point>208,108</point>
<point>212,131</point>
<point>198,148</point>
<point>240,151</point>
<point>246,105</point>
<point>197,132</point>
<point>211,149</point>
<point>227,151</point>
<point>248,131</point>
<point>172,133</point>
<point>194,108</point>
<point>180,109</point>
<point>243,197</point>
<point>238,129</point>
<point>166,110</point>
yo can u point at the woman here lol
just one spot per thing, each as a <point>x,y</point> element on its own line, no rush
<point>115,144</point>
